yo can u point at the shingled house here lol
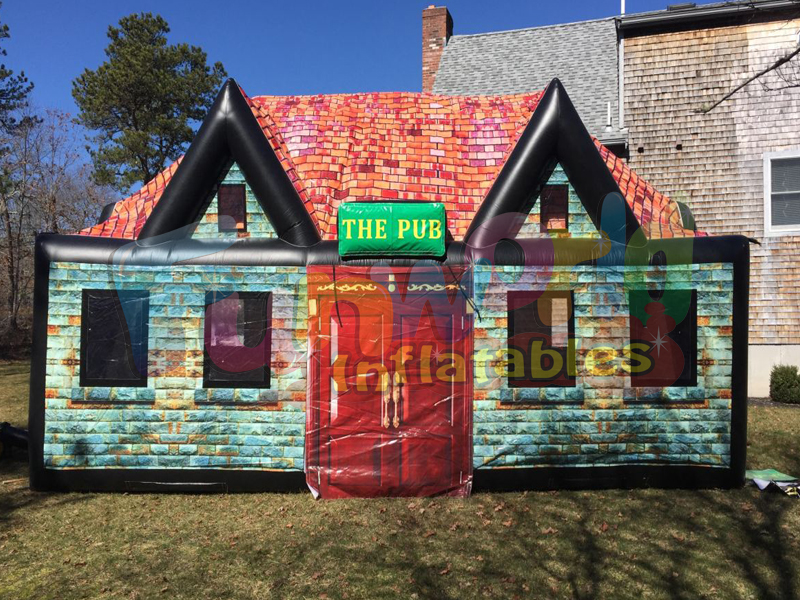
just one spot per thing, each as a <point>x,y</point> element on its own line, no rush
<point>390,294</point>
<point>736,166</point>
<point>582,55</point>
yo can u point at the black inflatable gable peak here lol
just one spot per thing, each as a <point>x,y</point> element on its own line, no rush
<point>230,132</point>
<point>554,135</point>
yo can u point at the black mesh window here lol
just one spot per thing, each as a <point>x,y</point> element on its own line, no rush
<point>554,208</point>
<point>114,338</point>
<point>541,334</point>
<point>663,338</point>
<point>231,213</point>
<point>237,339</point>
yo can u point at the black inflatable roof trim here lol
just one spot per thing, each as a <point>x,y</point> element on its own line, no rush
<point>554,135</point>
<point>107,211</point>
<point>230,132</point>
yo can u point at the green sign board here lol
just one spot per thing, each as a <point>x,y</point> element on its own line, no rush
<point>391,229</point>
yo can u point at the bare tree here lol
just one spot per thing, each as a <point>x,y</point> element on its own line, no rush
<point>44,186</point>
<point>783,73</point>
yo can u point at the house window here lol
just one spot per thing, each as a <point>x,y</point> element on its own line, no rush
<point>237,340</point>
<point>663,330</point>
<point>541,340</point>
<point>231,215</point>
<point>554,208</point>
<point>114,338</point>
<point>782,193</point>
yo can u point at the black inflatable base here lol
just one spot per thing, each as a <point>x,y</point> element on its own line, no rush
<point>167,480</point>
<point>593,478</point>
<point>485,480</point>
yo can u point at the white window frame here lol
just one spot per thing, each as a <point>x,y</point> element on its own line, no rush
<point>769,229</point>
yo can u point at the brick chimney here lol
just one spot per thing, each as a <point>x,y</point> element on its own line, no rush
<point>437,27</point>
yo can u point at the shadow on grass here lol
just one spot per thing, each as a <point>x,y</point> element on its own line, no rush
<point>16,496</point>
<point>677,544</point>
<point>586,545</point>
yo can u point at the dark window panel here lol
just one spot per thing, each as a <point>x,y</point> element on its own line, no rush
<point>666,323</point>
<point>231,215</point>
<point>542,328</point>
<point>785,209</point>
<point>237,319</point>
<point>554,208</point>
<point>114,338</point>
<point>785,175</point>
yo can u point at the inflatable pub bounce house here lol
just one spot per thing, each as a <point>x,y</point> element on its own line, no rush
<point>390,294</point>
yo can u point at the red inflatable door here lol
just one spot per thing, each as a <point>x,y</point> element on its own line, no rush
<point>389,400</point>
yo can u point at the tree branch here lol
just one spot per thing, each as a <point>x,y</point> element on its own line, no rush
<point>778,63</point>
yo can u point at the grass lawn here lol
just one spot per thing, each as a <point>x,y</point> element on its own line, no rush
<point>14,379</point>
<point>611,544</point>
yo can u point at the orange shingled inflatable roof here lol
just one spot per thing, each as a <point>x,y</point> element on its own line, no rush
<point>398,146</point>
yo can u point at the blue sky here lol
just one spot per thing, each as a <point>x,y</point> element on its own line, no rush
<point>270,47</point>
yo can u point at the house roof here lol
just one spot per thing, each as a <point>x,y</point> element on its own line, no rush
<point>692,15</point>
<point>582,55</point>
<point>397,146</point>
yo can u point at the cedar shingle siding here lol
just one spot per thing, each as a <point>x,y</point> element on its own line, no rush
<point>719,170</point>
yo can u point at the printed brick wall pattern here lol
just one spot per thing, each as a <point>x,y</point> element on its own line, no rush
<point>603,420</point>
<point>579,224</point>
<point>174,422</point>
<point>258,226</point>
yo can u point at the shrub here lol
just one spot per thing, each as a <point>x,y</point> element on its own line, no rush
<point>784,384</point>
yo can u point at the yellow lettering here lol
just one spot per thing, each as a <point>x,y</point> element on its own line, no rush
<point>455,371</point>
<point>425,364</point>
<point>363,369</point>
<point>515,359</point>
<point>636,351</point>
<point>537,353</point>
<point>419,234</point>
<point>435,229</point>
<point>348,225</point>
<point>602,355</point>
<point>481,358</point>
<point>403,226</point>
<point>400,358</point>
<point>380,229</point>
<point>365,229</point>
<point>339,379</point>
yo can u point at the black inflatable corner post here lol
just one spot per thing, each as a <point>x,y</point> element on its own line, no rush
<point>554,135</point>
<point>231,132</point>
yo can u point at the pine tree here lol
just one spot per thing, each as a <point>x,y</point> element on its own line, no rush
<point>143,100</point>
<point>14,89</point>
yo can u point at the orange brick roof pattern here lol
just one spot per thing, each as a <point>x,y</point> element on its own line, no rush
<point>658,215</point>
<point>129,214</point>
<point>398,146</point>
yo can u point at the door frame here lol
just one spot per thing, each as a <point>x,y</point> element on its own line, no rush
<point>326,286</point>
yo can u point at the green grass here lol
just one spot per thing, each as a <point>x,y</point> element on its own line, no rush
<point>610,544</point>
<point>14,379</point>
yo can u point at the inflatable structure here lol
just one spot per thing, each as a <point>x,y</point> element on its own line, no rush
<point>390,294</point>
